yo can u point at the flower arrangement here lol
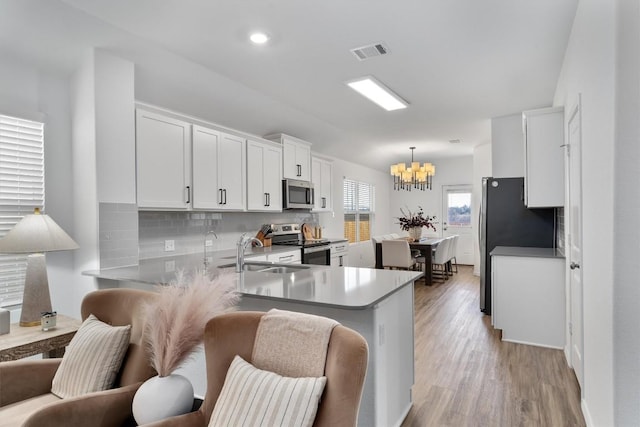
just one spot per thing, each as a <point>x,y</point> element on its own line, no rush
<point>410,220</point>
<point>176,319</point>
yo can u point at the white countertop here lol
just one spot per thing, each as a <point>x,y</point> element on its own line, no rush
<point>341,287</point>
<point>526,252</point>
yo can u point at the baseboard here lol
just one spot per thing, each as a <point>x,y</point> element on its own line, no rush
<point>585,413</point>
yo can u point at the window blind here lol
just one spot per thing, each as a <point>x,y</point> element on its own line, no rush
<point>358,206</point>
<point>21,190</point>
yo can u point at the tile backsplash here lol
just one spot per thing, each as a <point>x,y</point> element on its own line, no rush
<point>187,229</point>
<point>560,242</point>
<point>118,236</point>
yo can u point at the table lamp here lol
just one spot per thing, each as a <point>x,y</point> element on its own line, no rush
<point>35,234</point>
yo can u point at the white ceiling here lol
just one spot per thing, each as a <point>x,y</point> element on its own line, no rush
<point>458,62</point>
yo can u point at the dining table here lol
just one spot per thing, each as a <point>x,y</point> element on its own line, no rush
<point>425,246</point>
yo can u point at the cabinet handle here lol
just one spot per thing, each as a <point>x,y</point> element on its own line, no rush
<point>341,263</point>
<point>324,202</point>
<point>225,196</point>
<point>269,199</point>
<point>299,167</point>
<point>220,194</point>
<point>188,194</point>
<point>282,258</point>
<point>266,199</point>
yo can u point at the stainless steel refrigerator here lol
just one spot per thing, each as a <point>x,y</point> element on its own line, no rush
<point>506,221</point>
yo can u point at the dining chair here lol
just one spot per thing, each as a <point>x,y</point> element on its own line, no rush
<point>397,254</point>
<point>453,247</point>
<point>440,259</point>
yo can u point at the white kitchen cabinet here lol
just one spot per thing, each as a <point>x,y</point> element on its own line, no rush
<point>528,295</point>
<point>218,170</point>
<point>264,176</point>
<point>296,157</point>
<point>163,161</point>
<point>340,254</point>
<point>544,157</point>
<point>293,256</point>
<point>322,172</point>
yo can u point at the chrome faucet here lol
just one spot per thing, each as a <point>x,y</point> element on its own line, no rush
<point>241,246</point>
<point>206,234</point>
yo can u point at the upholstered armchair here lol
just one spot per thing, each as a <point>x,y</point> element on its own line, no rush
<point>234,334</point>
<point>25,385</point>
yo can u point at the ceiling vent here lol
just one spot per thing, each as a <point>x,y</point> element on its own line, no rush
<point>366,52</point>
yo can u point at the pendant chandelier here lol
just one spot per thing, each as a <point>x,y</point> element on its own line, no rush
<point>413,176</point>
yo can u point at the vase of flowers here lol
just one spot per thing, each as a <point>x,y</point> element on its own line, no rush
<point>413,222</point>
<point>174,328</point>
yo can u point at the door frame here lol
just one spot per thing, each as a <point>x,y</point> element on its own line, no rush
<point>464,252</point>
<point>575,322</point>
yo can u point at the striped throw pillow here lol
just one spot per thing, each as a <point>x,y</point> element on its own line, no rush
<point>92,359</point>
<point>253,397</point>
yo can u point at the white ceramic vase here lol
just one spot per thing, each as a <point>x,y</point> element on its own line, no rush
<point>162,397</point>
<point>415,233</point>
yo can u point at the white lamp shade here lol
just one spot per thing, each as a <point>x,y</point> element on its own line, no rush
<point>36,233</point>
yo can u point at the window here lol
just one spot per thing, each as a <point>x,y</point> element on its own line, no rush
<point>359,200</point>
<point>21,190</point>
<point>458,207</point>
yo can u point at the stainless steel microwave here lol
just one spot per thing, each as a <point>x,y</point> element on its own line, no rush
<point>297,194</point>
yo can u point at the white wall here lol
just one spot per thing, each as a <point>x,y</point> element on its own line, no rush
<point>450,171</point>
<point>626,292</point>
<point>588,69</point>
<point>481,168</point>
<point>360,254</point>
<point>115,129</point>
<point>507,146</point>
<point>28,92</point>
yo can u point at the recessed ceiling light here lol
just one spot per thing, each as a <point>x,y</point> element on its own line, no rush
<point>259,38</point>
<point>378,93</point>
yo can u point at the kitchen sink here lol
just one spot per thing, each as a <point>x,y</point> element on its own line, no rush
<point>283,269</point>
<point>265,267</point>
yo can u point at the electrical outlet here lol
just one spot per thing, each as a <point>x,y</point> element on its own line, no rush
<point>208,242</point>
<point>169,245</point>
<point>169,266</point>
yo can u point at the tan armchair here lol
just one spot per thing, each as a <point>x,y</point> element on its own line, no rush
<point>25,385</point>
<point>234,333</point>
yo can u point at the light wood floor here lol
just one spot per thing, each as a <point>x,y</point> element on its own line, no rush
<point>466,376</point>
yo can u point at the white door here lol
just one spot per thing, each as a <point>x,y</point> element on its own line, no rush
<point>574,241</point>
<point>456,219</point>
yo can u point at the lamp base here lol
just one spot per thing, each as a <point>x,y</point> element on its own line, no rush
<point>36,299</point>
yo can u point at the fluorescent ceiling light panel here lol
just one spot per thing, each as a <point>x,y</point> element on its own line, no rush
<point>378,93</point>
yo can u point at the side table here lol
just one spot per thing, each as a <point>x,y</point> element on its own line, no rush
<point>22,341</point>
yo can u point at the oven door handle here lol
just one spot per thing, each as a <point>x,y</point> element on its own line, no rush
<point>316,249</point>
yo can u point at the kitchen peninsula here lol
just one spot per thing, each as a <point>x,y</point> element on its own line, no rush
<point>376,303</point>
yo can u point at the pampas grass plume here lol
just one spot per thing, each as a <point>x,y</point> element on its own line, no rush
<point>176,319</point>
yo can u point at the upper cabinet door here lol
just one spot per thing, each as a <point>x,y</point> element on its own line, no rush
<point>231,172</point>
<point>264,177</point>
<point>163,158</point>
<point>273,177</point>
<point>544,157</point>
<point>322,171</point>
<point>206,194</point>
<point>218,170</point>
<point>296,159</point>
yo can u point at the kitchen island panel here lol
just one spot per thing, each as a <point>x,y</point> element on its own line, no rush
<point>388,329</point>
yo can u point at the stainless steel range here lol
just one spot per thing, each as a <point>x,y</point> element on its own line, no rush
<point>314,251</point>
